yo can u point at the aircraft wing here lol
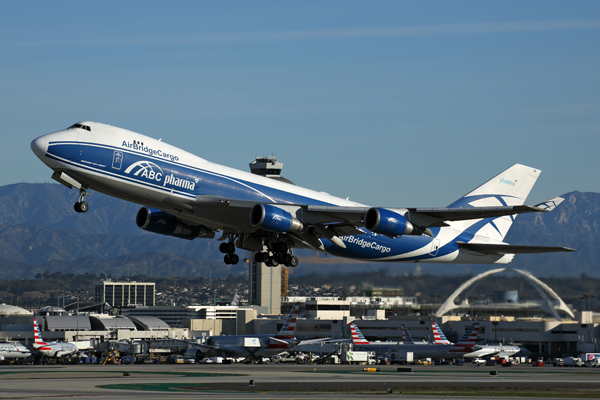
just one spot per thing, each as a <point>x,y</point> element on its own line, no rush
<point>430,215</point>
<point>279,340</point>
<point>333,222</point>
<point>341,220</point>
<point>212,349</point>
<point>485,248</point>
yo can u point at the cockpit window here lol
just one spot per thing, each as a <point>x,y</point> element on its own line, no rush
<point>80,126</point>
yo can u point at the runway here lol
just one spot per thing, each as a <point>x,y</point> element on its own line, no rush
<point>284,381</point>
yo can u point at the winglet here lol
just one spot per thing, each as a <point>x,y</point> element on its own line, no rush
<point>549,205</point>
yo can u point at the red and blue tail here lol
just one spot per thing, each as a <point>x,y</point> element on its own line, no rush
<point>289,326</point>
<point>357,336</point>
<point>438,335</point>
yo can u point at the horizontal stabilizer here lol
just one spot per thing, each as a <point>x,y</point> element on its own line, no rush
<point>485,248</point>
<point>549,205</point>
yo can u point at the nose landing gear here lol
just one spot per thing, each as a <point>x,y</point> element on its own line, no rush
<point>82,206</point>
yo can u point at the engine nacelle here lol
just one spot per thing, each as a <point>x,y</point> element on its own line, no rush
<point>274,219</point>
<point>390,223</point>
<point>157,221</point>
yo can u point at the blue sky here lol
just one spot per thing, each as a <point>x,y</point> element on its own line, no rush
<point>390,103</point>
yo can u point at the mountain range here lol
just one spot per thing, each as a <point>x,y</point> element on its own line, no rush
<point>40,231</point>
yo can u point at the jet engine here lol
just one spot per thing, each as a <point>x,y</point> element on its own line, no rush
<point>274,219</point>
<point>390,223</point>
<point>157,221</point>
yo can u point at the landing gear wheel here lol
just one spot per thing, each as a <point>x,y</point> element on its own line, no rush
<point>223,247</point>
<point>234,258</point>
<point>294,261</point>
<point>282,247</point>
<point>287,259</point>
<point>230,247</point>
<point>84,206</point>
<point>273,263</point>
<point>227,259</point>
<point>76,207</point>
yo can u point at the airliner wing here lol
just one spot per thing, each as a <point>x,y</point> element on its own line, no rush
<point>485,248</point>
<point>207,349</point>
<point>431,217</point>
<point>348,219</point>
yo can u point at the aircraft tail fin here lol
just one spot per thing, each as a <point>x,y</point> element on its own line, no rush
<point>357,336</point>
<point>406,335</point>
<point>37,342</point>
<point>289,326</point>
<point>509,188</point>
<point>470,336</point>
<point>438,335</point>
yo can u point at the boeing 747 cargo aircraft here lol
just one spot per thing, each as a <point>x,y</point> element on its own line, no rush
<point>188,197</point>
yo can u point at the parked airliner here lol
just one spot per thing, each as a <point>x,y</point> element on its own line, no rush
<point>250,346</point>
<point>51,349</point>
<point>482,350</point>
<point>419,350</point>
<point>13,350</point>
<point>188,197</point>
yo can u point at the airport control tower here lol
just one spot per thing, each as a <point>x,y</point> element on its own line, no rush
<point>265,281</point>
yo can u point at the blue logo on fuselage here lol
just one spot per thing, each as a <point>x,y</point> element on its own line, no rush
<point>146,169</point>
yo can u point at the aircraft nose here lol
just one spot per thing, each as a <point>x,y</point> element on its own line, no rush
<point>40,146</point>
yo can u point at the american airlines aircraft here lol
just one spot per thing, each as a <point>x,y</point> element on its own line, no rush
<point>188,197</point>
<point>13,350</point>
<point>51,349</point>
<point>482,350</point>
<point>465,348</point>
<point>250,346</point>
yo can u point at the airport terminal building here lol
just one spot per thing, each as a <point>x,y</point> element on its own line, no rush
<point>546,328</point>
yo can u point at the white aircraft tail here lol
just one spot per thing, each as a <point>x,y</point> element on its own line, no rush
<point>510,188</point>
<point>289,326</point>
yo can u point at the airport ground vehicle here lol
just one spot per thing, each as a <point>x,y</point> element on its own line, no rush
<point>401,357</point>
<point>358,357</point>
<point>572,362</point>
<point>479,361</point>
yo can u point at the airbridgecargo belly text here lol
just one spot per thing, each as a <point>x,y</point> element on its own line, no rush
<point>366,244</point>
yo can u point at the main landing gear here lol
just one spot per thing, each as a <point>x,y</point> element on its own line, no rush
<point>228,248</point>
<point>82,206</point>
<point>278,254</point>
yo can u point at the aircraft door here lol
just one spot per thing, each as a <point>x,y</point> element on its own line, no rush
<point>117,159</point>
<point>435,246</point>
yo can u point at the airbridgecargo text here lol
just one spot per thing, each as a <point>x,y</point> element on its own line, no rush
<point>366,244</point>
<point>146,149</point>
